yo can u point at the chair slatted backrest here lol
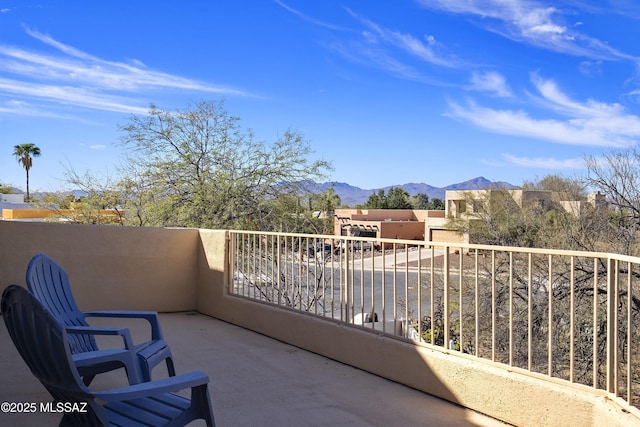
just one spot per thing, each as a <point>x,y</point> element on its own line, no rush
<point>43,344</point>
<point>48,281</point>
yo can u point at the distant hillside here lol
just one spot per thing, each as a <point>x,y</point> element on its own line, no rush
<point>352,196</point>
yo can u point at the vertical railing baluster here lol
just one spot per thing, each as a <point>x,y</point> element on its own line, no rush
<point>572,318</point>
<point>595,323</point>
<point>550,319</point>
<point>240,262</point>
<point>460,277</point>
<point>612,330</point>
<point>432,295</point>
<point>332,276</point>
<point>529,312</point>
<point>384,289</point>
<point>420,293</point>
<point>317,288</point>
<point>254,273</point>
<point>629,347</point>
<point>232,263</point>
<point>342,277</point>
<point>395,289</point>
<point>361,280</point>
<point>288,264</point>
<point>373,287</point>
<point>445,311</point>
<point>347,281</point>
<point>264,284</point>
<point>493,305</point>
<point>352,292</point>
<point>510,308</point>
<point>406,286</point>
<point>477,306</point>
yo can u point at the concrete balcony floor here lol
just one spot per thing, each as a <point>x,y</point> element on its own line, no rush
<point>255,380</point>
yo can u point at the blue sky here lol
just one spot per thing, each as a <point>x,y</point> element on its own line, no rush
<point>391,92</point>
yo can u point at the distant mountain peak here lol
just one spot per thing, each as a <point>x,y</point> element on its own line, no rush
<point>352,196</point>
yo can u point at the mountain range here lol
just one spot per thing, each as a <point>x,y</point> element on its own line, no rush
<point>353,196</point>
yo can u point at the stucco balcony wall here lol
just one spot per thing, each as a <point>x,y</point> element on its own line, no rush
<point>109,267</point>
<point>171,270</point>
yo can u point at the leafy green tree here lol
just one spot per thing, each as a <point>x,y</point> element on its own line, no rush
<point>565,188</point>
<point>102,200</point>
<point>322,207</point>
<point>377,201</point>
<point>436,204</point>
<point>398,198</point>
<point>421,201</point>
<point>198,168</point>
<point>24,154</point>
<point>5,190</point>
<point>328,201</point>
<point>395,198</point>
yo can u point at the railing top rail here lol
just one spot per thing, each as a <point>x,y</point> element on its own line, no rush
<point>541,251</point>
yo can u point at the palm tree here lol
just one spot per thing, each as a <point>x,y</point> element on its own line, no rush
<point>24,154</point>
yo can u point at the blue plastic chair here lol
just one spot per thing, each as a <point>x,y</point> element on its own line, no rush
<point>44,345</point>
<point>49,283</point>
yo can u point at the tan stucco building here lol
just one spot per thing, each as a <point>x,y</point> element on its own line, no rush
<point>430,225</point>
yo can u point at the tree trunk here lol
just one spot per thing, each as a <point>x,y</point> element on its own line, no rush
<point>28,196</point>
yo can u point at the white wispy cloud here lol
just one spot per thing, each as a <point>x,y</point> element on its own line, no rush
<point>537,23</point>
<point>378,58</point>
<point>98,147</point>
<point>612,119</point>
<point>544,162</point>
<point>634,95</point>
<point>567,121</point>
<point>519,123</point>
<point>309,18</point>
<point>72,77</point>
<point>69,95</point>
<point>491,82</point>
<point>590,68</point>
<point>383,48</point>
<point>425,48</point>
<point>23,108</point>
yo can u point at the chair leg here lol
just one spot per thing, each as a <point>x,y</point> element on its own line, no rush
<point>170,368</point>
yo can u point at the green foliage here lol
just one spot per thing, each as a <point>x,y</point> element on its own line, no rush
<point>572,189</point>
<point>321,209</point>
<point>399,198</point>
<point>395,198</point>
<point>436,204</point>
<point>377,201</point>
<point>421,201</point>
<point>198,168</point>
<point>496,218</point>
<point>24,154</point>
<point>102,201</point>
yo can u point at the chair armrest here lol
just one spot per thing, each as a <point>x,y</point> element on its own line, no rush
<point>153,388</point>
<point>150,316</point>
<point>93,330</point>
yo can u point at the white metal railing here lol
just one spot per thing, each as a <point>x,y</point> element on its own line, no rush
<point>565,314</point>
